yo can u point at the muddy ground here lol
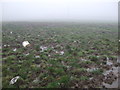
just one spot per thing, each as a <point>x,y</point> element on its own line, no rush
<point>72,55</point>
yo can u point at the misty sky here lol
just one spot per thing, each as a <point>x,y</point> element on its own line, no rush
<point>60,10</point>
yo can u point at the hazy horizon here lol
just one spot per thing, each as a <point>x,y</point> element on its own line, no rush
<point>60,11</point>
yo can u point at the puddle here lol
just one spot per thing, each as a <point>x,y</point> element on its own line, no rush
<point>115,82</point>
<point>118,60</point>
<point>114,70</point>
<point>113,85</point>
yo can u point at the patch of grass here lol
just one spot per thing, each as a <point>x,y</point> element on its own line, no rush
<point>75,39</point>
<point>86,62</point>
<point>93,58</point>
<point>97,72</point>
<point>57,71</point>
<point>83,78</point>
<point>112,57</point>
<point>75,64</point>
<point>53,85</point>
<point>80,54</point>
<point>79,70</point>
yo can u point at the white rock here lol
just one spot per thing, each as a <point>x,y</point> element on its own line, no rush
<point>56,52</point>
<point>91,78</point>
<point>52,47</point>
<point>43,48</point>
<point>109,63</point>
<point>84,59</point>
<point>25,43</point>
<point>36,80</point>
<point>27,54</point>
<point>91,69</point>
<point>5,45</point>
<point>37,56</point>
<point>75,41</point>
<point>10,32</point>
<point>14,80</point>
<point>61,52</point>
<point>14,49</point>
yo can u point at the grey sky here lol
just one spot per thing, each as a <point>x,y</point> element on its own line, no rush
<point>60,10</point>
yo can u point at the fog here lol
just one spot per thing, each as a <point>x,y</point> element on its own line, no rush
<point>60,10</point>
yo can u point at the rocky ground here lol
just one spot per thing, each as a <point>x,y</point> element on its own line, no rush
<point>59,55</point>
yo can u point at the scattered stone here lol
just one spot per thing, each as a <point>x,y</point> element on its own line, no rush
<point>11,32</point>
<point>43,48</point>
<point>27,54</point>
<point>49,55</point>
<point>25,43</point>
<point>14,49</point>
<point>91,69</point>
<point>61,52</point>
<point>75,41</point>
<point>36,80</point>
<point>37,56</point>
<point>5,45</point>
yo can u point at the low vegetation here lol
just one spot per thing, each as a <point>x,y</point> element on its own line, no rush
<point>59,54</point>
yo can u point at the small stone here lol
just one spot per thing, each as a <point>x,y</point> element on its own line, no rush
<point>14,80</point>
<point>25,43</point>
<point>14,49</point>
